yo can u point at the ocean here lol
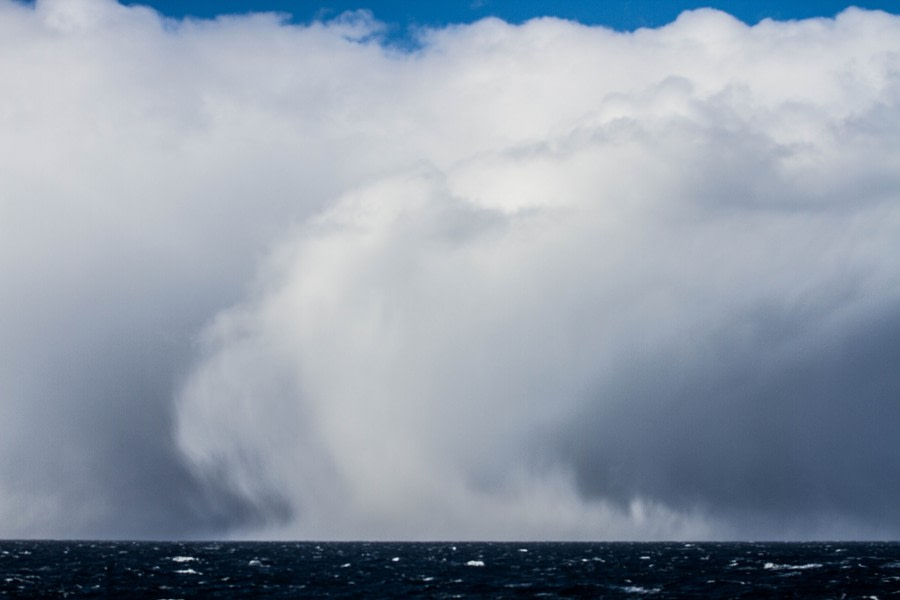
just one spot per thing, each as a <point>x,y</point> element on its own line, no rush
<point>164,570</point>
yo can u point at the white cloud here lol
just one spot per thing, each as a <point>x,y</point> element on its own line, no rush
<point>528,281</point>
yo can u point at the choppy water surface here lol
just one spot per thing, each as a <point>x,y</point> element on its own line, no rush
<point>31,569</point>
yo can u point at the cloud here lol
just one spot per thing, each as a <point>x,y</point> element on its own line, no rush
<point>535,281</point>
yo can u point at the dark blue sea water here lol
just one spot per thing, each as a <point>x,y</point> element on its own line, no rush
<point>66,569</point>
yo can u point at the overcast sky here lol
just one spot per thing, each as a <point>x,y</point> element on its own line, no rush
<point>263,277</point>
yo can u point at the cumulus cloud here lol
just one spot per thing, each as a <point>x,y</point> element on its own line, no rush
<point>534,281</point>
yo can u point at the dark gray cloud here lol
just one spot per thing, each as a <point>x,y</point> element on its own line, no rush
<point>774,443</point>
<point>537,281</point>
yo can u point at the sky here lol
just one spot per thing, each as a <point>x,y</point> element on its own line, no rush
<point>620,275</point>
<point>619,15</point>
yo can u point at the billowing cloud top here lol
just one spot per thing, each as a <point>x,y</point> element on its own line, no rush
<point>536,281</point>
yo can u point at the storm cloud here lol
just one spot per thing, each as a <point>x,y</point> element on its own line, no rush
<point>264,279</point>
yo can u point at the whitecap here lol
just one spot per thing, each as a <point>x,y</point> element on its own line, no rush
<point>770,565</point>
<point>475,563</point>
<point>636,589</point>
<point>187,572</point>
<point>183,559</point>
